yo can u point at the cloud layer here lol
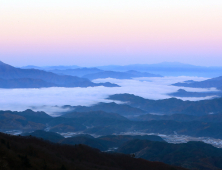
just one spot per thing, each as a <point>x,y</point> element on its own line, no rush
<point>47,99</point>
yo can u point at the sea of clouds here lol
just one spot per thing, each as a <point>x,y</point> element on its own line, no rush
<point>50,100</point>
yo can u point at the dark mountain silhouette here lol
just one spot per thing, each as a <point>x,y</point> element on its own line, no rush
<point>191,155</point>
<point>214,82</point>
<point>8,72</point>
<point>26,120</point>
<point>172,105</point>
<point>121,109</point>
<point>85,140</point>
<point>119,75</point>
<point>38,117</point>
<point>49,136</point>
<point>20,153</point>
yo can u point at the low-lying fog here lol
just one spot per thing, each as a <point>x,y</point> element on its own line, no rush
<point>46,99</point>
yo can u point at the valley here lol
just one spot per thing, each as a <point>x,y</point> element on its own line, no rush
<point>120,113</point>
<point>110,85</point>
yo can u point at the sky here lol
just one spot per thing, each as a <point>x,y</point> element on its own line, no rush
<point>104,32</point>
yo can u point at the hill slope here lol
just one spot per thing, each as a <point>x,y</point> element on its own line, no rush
<point>191,155</point>
<point>21,153</point>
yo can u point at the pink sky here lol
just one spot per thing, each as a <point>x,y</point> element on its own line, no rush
<point>90,33</point>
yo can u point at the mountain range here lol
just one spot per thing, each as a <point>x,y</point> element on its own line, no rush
<point>214,82</point>
<point>171,105</point>
<point>119,75</point>
<point>95,73</point>
<point>11,77</point>
<point>164,68</point>
<point>50,67</point>
<point>103,123</point>
<point>169,69</point>
<point>121,109</point>
<point>76,72</point>
<point>191,155</point>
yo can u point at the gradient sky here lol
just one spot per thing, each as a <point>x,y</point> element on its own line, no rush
<point>103,32</point>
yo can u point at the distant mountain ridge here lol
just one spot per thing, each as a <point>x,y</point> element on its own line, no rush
<point>102,123</point>
<point>76,72</point>
<point>164,69</point>
<point>119,75</point>
<point>95,73</point>
<point>169,69</point>
<point>22,78</point>
<point>145,66</point>
<point>50,67</point>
